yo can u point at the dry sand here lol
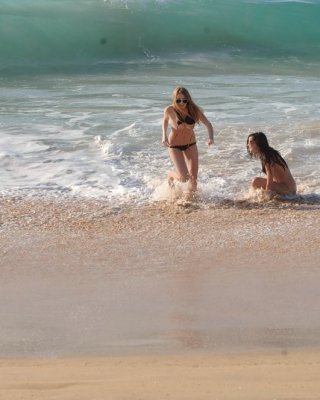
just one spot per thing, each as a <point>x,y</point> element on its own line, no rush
<point>201,376</point>
<point>181,302</point>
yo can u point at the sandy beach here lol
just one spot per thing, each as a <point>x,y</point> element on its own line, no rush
<point>202,376</point>
<point>164,301</point>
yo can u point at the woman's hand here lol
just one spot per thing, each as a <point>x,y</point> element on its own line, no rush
<point>165,142</point>
<point>210,142</point>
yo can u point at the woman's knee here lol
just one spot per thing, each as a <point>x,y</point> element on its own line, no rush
<point>258,182</point>
<point>254,182</point>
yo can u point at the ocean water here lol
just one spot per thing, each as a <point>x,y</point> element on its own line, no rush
<point>83,85</point>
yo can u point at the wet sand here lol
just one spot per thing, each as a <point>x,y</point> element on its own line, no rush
<point>164,301</point>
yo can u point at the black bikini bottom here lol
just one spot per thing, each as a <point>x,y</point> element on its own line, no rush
<point>183,147</point>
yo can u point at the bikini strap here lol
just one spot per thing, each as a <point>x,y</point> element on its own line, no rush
<point>179,116</point>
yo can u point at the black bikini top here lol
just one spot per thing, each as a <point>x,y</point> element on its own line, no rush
<point>187,120</point>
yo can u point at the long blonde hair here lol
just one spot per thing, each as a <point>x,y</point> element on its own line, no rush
<point>193,110</point>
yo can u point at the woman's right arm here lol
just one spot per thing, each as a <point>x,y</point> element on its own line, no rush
<point>165,123</point>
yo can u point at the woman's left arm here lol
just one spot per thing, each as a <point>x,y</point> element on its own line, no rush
<point>209,127</point>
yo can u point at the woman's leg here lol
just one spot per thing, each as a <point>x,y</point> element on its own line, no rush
<point>181,170</point>
<point>259,183</point>
<point>192,160</point>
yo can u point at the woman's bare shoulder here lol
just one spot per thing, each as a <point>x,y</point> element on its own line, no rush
<point>169,109</point>
<point>169,112</point>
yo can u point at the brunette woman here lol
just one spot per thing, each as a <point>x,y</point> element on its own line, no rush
<point>278,176</point>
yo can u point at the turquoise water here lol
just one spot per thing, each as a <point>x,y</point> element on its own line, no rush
<point>96,31</point>
<point>84,83</point>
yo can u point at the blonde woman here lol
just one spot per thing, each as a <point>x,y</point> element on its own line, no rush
<point>182,115</point>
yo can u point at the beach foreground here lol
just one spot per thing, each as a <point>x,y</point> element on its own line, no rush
<point>179,301</point>
<point>201,376</point>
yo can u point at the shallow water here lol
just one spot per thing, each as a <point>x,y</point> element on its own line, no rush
<point>99,135</point>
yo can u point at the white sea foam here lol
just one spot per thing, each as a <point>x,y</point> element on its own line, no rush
<point>108,145</point>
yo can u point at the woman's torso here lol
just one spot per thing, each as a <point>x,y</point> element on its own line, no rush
<point>182,129</point>
<point>283,176</point>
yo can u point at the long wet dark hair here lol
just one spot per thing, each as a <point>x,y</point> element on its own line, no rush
<point>267,154</point>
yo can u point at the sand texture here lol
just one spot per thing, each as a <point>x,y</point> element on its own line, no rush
<point>179,301</point>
